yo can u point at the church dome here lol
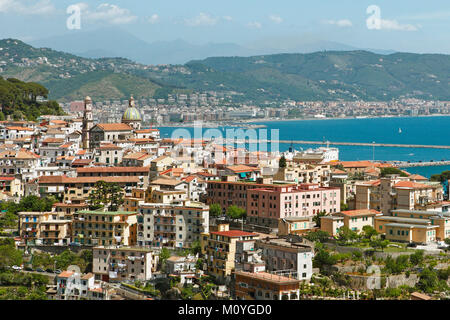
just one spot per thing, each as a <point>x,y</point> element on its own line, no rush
<point>131,114</point>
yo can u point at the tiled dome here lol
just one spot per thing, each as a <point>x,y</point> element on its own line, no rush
<point>131,114</point>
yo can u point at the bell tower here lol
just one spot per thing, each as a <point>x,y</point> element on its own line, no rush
<point>88,122</point>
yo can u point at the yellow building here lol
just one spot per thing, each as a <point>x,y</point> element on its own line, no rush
<point>416,233</point>
<point>221,250</point>
<point>294,225</point>
<point>355,220</point>
<point>105,227</point>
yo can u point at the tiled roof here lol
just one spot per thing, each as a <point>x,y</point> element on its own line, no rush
<point>234,233</point>
<point>112,169</point>
<point>114,127</point>
<point>66,274</point>
<point>361,212</point>
<point>411,185</point>
<point>242,168</point>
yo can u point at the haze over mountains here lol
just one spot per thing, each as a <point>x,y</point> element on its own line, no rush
<point>114,42</point>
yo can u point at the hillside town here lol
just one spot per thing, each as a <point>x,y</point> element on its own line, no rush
<point>101,209</point>
<point>214,108</point>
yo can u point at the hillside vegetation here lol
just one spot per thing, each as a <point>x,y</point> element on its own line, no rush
<point>326,75</point>
<point>20,100</point>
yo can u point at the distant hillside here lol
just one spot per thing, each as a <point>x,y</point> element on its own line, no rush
<point>329,75</point>
<point>326,75</point>
<point>69,77</point>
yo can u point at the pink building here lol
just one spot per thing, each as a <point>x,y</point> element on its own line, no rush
<point>266,205</point>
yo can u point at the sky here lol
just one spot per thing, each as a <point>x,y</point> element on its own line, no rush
<point>401,25</point>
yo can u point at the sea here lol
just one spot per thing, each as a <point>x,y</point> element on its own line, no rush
<point>429,130</point>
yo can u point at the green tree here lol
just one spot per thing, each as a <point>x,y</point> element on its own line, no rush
<point>416,258</point>
<point>429,281</point>
<point>215,210</point>
<point>369,232</point>
<point>234,212</point>
<point>317,217</point>
<point>106,195</point>
<point>346,234</point>
<point>319,235</point>
<point>282,162</point>
<point>388,171</point>
<point>163,256</point>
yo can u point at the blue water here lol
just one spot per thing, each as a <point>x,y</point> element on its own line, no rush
<point>415,130</point>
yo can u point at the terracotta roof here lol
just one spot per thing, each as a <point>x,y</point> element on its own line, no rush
<point>166,182</point>
<point>53,140</point>
<point>109,146</point>
<point>242,168</point>
<point>137,156</point>
<point>269,277</point>
<point>19,128</point>
<point>66,274</point>
<point>65,179</point>
<point>114,127</point>
<point>7,178</point>
<point>337,171</point>
<point>21,154</point>
<point>82,162</point>
<point>188,178</point>
<point>417,177</point>
<point>112,169</point>
<point>420,296</point>
<point>411,185</point>
<point>234,233</point>
<point>361,212</point>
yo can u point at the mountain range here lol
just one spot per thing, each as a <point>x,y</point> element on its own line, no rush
<point>324,75</point>
<point>114,42</point>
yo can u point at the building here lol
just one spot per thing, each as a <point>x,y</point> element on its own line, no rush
<point>88,123</point>
<point>220,249</point>
<point>109,132</point>
<point>414,225</point>
<point>287,256</point>
<point>95,228</point>
<point>355,220</point>
<point>172,225</point>
<point>265,206</point>
<point>132,116</point>
<point>265,286</point>
<point>116,264</point>
<point>295,225</point>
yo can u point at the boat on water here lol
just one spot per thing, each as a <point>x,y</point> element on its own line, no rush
<point>399,130</point>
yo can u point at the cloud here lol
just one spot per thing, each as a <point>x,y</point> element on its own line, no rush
<point>203,19</point>
<point>276,19</point>
<point>153,19</point>
<point>227,18</point>
<point>254,25</point>
<point>395,25</point>
<point>27,7</point>
<point>107,13</point>
<point>343,23</point>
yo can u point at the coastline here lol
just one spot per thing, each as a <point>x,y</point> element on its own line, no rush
<point>237,123</point>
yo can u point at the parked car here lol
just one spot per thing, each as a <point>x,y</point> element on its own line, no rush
<point>40,270</point>
<point>57,271</point>
<point>29,269</point>
<point>49,270</point>
<point>411,245</point>
<point>17,268</point>
<point>76,244</point>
